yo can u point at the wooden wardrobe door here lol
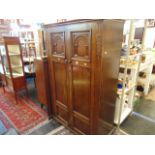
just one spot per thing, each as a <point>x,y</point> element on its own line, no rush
<point>80,78</point>
<point>59,73</point>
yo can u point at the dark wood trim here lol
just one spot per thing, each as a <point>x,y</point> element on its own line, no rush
<point>77,21</point>
<point>51,76</point>
<point>81,117</point>
<point>78,131</point>
<point>62,121</point>
<point>62,106</point>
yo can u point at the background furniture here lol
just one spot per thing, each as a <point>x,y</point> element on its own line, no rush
<point>131,83</point>
<point>84,61</point>
<point>133,80</point>
<point>28,44</point>
<point>43,83</point>
<point>133,65</point>
<point>2,77</point>
<point>13,65</point>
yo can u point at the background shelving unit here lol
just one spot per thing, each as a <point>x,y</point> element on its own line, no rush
<point>28,44</point>
<point>130,90</point>
<point>12,62</point>
<point>130,86</point>
<point>29,39</point>
<point>146,67</point>
<point>141,62</point>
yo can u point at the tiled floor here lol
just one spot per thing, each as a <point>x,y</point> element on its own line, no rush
<point>119,132</point>
<point>142,120</point>
<point>46,128</point>
<point>64,131</point>
<point>61,131</point>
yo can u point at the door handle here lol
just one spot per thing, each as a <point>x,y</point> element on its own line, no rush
<point>65,61</point>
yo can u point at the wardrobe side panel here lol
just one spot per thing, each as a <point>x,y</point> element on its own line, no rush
<point>112,43</point>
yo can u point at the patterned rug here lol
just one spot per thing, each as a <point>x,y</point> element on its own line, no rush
<point>23,115</point>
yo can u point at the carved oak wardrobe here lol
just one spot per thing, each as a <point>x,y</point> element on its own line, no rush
<point>84,59</point>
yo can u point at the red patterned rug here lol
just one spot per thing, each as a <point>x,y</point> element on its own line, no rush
<point>23,116</point>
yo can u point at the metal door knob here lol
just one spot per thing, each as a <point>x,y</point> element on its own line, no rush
<point>65,61</point>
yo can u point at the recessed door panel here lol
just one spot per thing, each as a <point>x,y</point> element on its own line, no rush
<point>62,114</point>
<point>60,82</point>
<point>81,44</point>
<point>58,43</point>
<point>81,127</point>
<point>81,90</point>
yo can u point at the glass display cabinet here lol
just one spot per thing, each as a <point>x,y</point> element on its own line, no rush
<point>2,77</point>
<point>12,63</point>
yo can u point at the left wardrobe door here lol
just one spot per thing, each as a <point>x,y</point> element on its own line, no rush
<point>58,67</point>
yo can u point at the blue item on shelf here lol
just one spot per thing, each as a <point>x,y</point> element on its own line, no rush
<point>119,86</point>
<point>124,50</point>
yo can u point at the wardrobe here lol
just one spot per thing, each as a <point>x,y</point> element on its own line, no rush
<point>83,58</point>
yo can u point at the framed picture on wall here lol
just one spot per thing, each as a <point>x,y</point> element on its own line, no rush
<point>150,22</point>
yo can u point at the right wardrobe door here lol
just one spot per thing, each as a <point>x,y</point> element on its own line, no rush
<point>80,77</point>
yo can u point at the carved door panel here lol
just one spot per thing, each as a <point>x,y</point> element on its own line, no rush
<point>80,78</point>
<point>59,67</point>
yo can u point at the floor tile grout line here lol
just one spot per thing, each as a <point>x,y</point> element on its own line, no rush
<point>56,130</point>
<point>39,126</point>
<point>144,117</point>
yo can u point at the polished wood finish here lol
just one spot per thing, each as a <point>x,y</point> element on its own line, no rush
<point>84,61</point>
<point>43,83</point>
<point>59,65</point>
<point>112,42</point>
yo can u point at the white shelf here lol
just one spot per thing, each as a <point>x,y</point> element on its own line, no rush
<point>28,42</point>
<point>131,56</point>
<point>14,54</point>
<point>129,67</point>
<point>11,54</point>
<point>126,111</point>
<point>126,90</point>
<point>15,75</point>
<point>144,66</point>
<point>27,59</point>
<point>17,66</point>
